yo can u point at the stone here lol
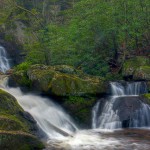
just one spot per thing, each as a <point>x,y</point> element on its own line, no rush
<point>59,80</point>
<point>16,131</point>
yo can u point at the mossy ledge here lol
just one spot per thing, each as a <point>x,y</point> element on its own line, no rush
<point>61,80</point>
<point>16,131</point>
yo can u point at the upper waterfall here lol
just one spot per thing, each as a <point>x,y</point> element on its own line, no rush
<point>128,88</point>
<point>4,61</point>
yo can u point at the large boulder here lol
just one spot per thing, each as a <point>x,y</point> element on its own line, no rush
<point>17,128</point>
<point>60,80</point>
<point>127,111</point>
<point>137,68</point>
<point>19,78</point>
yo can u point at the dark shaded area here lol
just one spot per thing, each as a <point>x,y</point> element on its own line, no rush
<point>14,51</point>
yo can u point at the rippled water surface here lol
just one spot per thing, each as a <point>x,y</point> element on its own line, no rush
<point>128,139</point>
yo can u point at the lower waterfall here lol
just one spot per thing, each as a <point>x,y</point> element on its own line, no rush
<point>49,116</point>
<point>45,112</point>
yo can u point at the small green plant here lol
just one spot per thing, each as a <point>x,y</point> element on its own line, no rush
<point>23,66</point>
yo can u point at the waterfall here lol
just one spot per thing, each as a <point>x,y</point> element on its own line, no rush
<point>129,89</point>
<point>49,116</point>
<point>123,109</point>
<point>4,61</point>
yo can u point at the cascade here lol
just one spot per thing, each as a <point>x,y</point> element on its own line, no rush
<point>4,61</point>
<point>128,89</point>
<point>123,109</point>
<point>50,117</point>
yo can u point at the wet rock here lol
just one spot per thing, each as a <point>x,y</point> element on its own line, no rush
<point>127,111</point>
<point>126,106</point>
<point>14,50</point>
<point>16,129</point>
<point>9,72</point>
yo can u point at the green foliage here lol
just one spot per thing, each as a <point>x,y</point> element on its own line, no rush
<point>113,77</point>
<point>94,33</point>
<point>20,74</point>
<point>85,34</point>
<point>23,66</point>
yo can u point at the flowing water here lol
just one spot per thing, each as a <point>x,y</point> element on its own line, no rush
<point>4,61</point>
<point>48,114</point>
<point>51,117</point>
<point>108,113</point>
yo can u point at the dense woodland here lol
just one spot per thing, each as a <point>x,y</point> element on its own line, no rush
<point>96,36</point>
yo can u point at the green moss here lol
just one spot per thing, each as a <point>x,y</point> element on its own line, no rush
<point>23,66</point>
<point>63,80</point>
<point>136,67</point>
<point>20,77</point>
<point>59,80</point>
<point>19,141</point>
<point>15,129</point>
<point>147,96</point>
<point>65,85</point>
<point>66,69</point>
<point>12,112</point>
<point>113,77</point>
<point>7,123</point>
<point>41,76</point>
<point>142,72</point>
<point>80,108</point>
<point>136,62</point>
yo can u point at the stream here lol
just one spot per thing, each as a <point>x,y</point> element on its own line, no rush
<point>119,122</point>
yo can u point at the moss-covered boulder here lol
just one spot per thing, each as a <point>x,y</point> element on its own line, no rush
<point>19,78</point>
<point>138,68</point>
<point>16,126</point>
<point>60,80</point>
